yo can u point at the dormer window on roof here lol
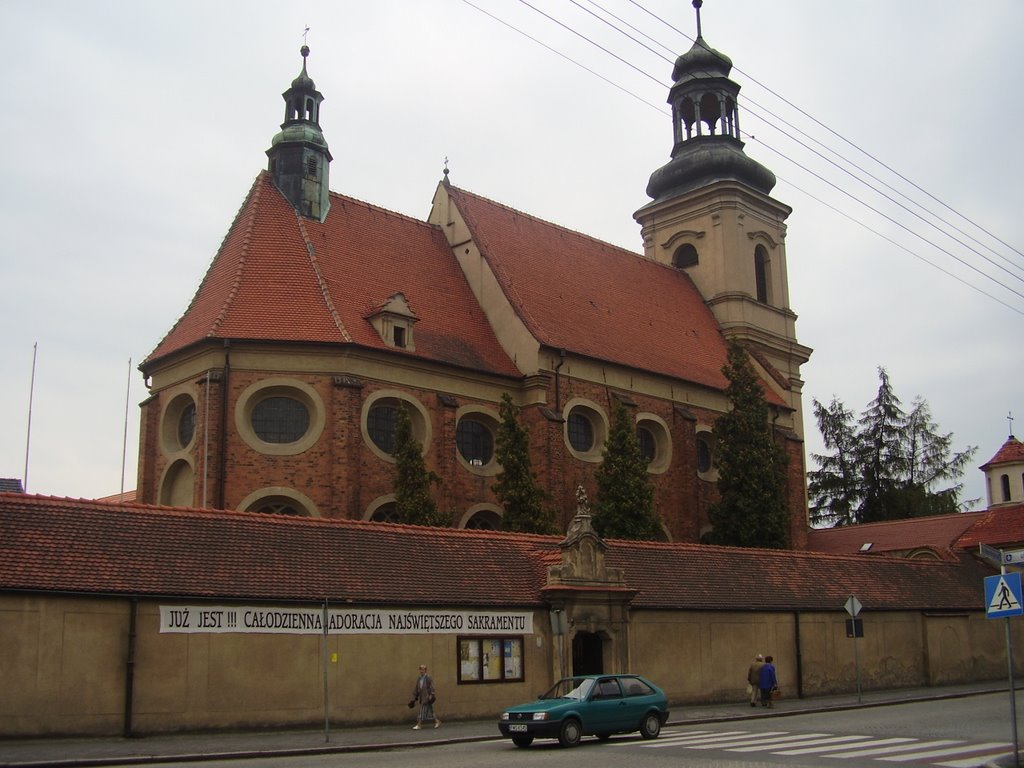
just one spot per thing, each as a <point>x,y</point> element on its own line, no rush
<point>394,321</point>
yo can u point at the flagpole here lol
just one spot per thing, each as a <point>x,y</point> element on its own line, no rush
<point>124,445</point>
<point>28,431</point>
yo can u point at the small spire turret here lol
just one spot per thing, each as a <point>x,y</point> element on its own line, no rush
<point>299,159</point>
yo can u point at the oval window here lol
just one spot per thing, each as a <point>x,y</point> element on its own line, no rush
<point>648,443</point>
<point>380,425</point>
<point>475,442</point>
<point>280,419</point>
<point>581,432</point>
<point>187,425</point>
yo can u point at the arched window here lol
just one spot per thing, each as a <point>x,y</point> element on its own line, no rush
<point>1005,482</point>
<point>386,513</point>
<point>685,256</point>
<point>761,273</point>
<point>484,520</point>
<point>278,505</point>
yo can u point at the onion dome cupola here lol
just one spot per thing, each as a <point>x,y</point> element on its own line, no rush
<point>299,157</point>
<point>706,127</point>
<point>712,218</point>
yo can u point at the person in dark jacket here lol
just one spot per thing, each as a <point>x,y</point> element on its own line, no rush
<point>768,682</point>
<point>754,679</point>
<point>424,695</point>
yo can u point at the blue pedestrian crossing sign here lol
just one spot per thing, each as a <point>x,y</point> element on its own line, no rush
<point>1003,596</point>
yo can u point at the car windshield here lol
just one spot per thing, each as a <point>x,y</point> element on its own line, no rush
<point>570,688</point>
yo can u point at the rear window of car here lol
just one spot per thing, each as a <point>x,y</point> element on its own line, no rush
<point>634,686</point>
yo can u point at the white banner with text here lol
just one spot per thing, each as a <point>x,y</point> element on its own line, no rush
<point>340,621</point>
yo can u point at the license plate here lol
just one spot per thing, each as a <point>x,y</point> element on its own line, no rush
<point>517,727</point>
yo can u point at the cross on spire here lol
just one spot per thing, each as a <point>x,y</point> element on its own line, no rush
<point>1009,419</point>
<point>305,34</point>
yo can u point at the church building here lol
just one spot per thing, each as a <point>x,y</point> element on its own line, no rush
<point>321,315</point>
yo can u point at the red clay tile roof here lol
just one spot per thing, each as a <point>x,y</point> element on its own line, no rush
<point>280,277</point>
<point>702,577</point>
<point>577,293</point>
<point>939,533</point>
<point>89,547</point>
<point>1000,527</point>
<point>1011,452</point>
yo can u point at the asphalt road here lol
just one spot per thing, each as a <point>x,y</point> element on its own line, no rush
<point>953,733</point>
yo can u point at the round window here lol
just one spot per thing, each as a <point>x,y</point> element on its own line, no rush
<point>279,419</point>
<point>475,442</point>
<point>581,432</point>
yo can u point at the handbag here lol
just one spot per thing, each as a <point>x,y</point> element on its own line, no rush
<point>431,699</point>
<point>412,703</point>
<point>775,692</point>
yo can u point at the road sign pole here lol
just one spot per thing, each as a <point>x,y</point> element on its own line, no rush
<point>856,662</point>
<point>1013,688</point>
<point>1013,692</point>
<point>853,606</point>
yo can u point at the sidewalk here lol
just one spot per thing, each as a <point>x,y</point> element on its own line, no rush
<point>65,753</point>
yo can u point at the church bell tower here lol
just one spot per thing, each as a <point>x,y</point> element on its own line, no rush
<point>299,157</point>
<point>711,216</point>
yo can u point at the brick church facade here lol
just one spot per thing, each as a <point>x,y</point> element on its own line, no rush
<point>277,389</point>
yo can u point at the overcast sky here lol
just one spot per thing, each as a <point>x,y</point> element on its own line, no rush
<point>135,129</point>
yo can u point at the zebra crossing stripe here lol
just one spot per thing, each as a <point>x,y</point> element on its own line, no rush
<point>944,752</point>
<point>901,748</point>
<point>697,741</point>
<point>972,762</point>
<point>867,741</point>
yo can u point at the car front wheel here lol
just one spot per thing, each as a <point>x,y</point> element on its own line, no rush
<point>650,726</point>
<point>571,733</point>
<point>522,741</point>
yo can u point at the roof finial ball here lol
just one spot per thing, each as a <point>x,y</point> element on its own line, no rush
<point>697,4</point>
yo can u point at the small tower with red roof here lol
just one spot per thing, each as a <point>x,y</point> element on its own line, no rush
<point>1004,474</point>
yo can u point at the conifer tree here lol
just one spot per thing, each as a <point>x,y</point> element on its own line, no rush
<point>516,487</point>
<point>624,508</point>
<point>885,466</point>
<point>835,489</point>
<point>413,503</point>
<point>752,510</point>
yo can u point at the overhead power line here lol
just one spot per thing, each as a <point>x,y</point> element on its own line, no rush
<point>618,24</point>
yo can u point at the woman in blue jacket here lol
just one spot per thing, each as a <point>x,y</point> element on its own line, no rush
<point>768,681</point>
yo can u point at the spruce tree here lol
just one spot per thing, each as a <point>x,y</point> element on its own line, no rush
<point>836,487</point>
<point>413,503</point>
<point>888,465</point>
<point>752,510</point>
<point>516,487</point>
<point>882,426</point>
<point>624,508</point>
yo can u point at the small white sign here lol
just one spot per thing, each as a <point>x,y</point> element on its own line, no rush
<point>853,606</point>
<point>1014,556</point>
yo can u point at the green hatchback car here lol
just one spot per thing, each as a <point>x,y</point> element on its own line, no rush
<point>588,705</point>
